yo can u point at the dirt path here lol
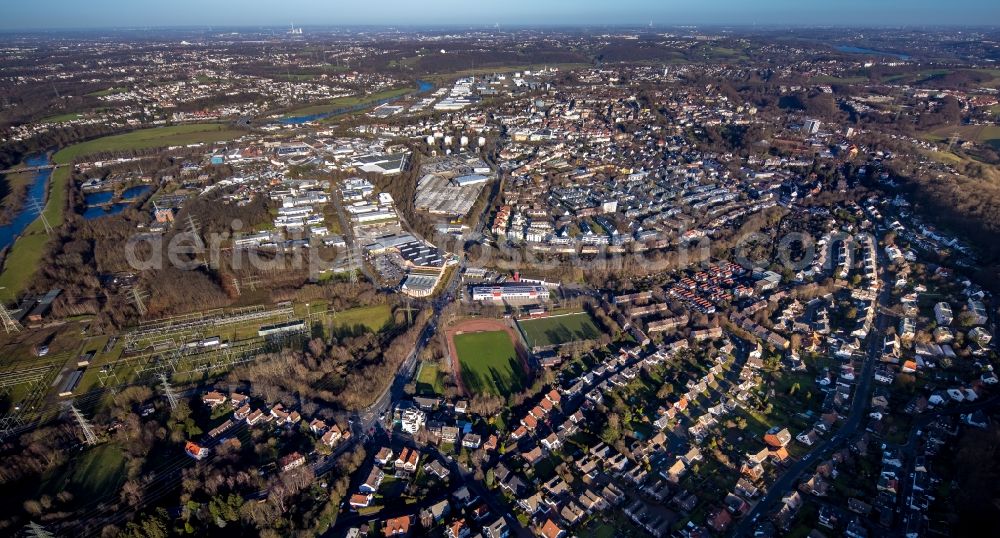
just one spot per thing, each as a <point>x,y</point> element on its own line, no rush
<point>476,325</point>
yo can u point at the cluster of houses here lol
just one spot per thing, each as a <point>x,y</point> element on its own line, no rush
<point>455,516</point>
<point>328,434</point>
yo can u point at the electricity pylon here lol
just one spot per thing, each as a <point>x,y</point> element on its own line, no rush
<point>168,391</point>
<point>88,430</point>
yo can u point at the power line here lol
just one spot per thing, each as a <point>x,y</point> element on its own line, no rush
<point>37,531</point>
<point>952,139</point>
<point>409,309</point>
<point>352,270</point>
<point>251,282</point>
<point>193,226</point>
<point>10,324</point>
<point>168,391</point>
<point>41,213</point>
<point>88,430</point>
<point>138,298</point>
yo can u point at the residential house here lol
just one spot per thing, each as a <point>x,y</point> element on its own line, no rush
<point>292,461</point>
<point>736,504</point>
<point>463,497</point>
<point>510,482</point>
<point>533,504</point>
<point>437,469</point>
<point>720,521</point>
<point>520,432</point>
<point>449,434</point>
<point>752,470</point>
<point>592,501</point>
<point>360,500</point>
<point>256,417</point>
<point>556,487</point>
<point>426,404</point>
<point>331,437</point>
<point>471,440</point>
<point>435,513</point>
<point>572,513</point>
<point>550,530</point>
<point>374,480</point>
<point>407,460</point>
<point>213,399</point>
<point>279,414</point>
<point>552,442</point>
<point>497,529</point>
<point>777,437</point>
<point>616,463</point>
<point>242,413</point>
<point>383,456</point>
<point>612,494</point>
<point>532,456</point>
<point>397,526</point>
<point>676,471</point>
<point>317,426</point>
<point>458,529</point>
<point>808,438</point>
<point>691,456</point>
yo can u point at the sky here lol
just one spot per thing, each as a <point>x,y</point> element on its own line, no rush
<point>42,14</point>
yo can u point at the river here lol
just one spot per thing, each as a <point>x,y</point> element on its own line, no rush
<point>36,193</point>
<point>422,86</point>
<point>98,203</point>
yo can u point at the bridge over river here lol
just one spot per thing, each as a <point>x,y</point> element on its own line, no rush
<point>38,168</point>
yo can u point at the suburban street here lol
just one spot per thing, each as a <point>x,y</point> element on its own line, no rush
<point>859,405</point>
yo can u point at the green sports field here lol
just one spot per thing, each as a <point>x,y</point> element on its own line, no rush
<point>558,330</point>
<point>489,363</point>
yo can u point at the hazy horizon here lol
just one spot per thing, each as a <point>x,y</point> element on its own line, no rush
<point>116,14</point>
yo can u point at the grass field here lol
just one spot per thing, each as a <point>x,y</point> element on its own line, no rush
<point>828,79</point>
<point>103,93</point>
<point>558,330</point>
<point>429,381</point>
<point>374,317</point>
<point>61,117</point>
<point>979,133</point>
<point>94,474</point>
<point>349,101</point>
<point>294,76</point>
<point>28,250</point>
<point>175,135</point>
<point>489,363</point>
<point>19,267</point>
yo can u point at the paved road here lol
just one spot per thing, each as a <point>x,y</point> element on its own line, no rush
<point>365,420</point>
<point>859,405</point>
